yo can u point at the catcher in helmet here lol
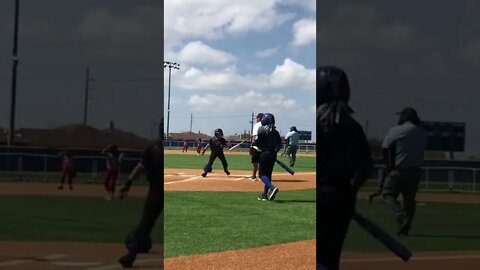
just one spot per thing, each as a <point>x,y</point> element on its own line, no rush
<point>216,143</point>
<point>343,164</point>
<point>268,144</point>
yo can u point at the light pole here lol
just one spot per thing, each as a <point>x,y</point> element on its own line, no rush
<point>170,65</point>
<point>11,134</point>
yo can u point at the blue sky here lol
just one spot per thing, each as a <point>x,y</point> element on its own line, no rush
<point>239,58</point>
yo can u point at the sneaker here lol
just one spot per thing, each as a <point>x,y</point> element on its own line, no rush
<point>204,174</point>
<point>261,198</point>
<point>227,172</point>
<point>71,187</point>
<point>253,178</point>
<point>127,261</point>
<point>271,197</point>
<point>60,187</point>
<point>404,228</point>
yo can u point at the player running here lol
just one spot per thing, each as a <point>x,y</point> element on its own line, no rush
<point>216,144</point>
<point>267,145</point>
<point>409,140</point>
<point>291,140</point>
<point>139,241</point>
<point>199,146</point>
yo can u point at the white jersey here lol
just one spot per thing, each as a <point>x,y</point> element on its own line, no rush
<point>255,131</point>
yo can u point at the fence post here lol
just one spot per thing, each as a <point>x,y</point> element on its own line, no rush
<point>474,179</point>
<point>379,175</point>
<point>20,168</point>
<point>45,168</point>
<point>426,177</point>
<point>94,170</point>
<point>450,179</point>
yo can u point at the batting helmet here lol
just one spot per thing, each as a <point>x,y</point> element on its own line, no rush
<point>268,119</point>
<point>332,84</point>
<point>218,131</point>
<point>293,128</point>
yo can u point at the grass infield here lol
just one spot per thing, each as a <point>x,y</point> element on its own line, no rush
<point>235,162</point>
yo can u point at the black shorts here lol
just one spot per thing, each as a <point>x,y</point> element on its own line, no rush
<point>256,157</point>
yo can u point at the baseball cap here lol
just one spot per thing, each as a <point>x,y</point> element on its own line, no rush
<point>260,115</point>
<point>408,112</point>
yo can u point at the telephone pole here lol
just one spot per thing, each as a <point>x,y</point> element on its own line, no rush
<point>252,123</point>
<point>191,121</point>
<point>87,88</point>
<point>13,100</point>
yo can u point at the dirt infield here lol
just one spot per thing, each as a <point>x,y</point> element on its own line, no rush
<point>188,179</point>
<point>75,256</point>
<point>298,255</point>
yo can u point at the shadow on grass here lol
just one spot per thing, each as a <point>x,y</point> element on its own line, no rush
<point>426,235</point>
<point>294,201</point>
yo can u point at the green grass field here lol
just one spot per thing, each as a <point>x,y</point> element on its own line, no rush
<point>82,219</point>
<point>235,162</point>
<point>199,222</point>
<point>437,226</point>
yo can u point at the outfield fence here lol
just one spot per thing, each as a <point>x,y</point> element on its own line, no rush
<point>452,179</point>
<point>46,167</point>
<point>178,145</point>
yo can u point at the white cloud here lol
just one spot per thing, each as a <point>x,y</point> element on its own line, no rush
<point>198,53</point>
<point>246,102</point>
<point>309,5</point>
<point>267,52</point>
<point>226,79</point>
<point>293,75</point>
<point>213,19</point>
<point>304,32</point>
<point>288,75</point>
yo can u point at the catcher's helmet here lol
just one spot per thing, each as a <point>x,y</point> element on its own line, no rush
<point>293,128</point>
<point>332,84</point>
<point>218,131</point>
<point>268,119</point>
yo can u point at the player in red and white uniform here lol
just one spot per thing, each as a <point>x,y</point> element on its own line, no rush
<point>68,170</point>
<point>185,146</point>
<point>113,168</point>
